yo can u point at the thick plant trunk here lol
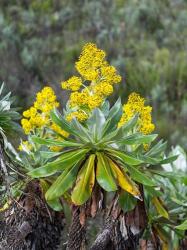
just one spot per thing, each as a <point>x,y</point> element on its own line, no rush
<point>76,238</point>
<point>104,239</point>
<point>122,230</point>
<point>29,224</point>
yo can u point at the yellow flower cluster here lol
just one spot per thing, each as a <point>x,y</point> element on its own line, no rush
<point>58,130</point>
<point>98,76</point>
<point>74,83</point>
<point>25,146</point>
<point>79,98</point>
<point>90,60</point>
<point>84,99</point>
<point>55,148</point>
<point>103,88</point>
<point>108,74</point>
<point>135,105</point>
<point>38,115</point>
<point>46,100</point>
<point>79,115</point>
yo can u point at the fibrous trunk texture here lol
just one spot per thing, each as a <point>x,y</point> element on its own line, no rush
<point>29,224</point>
<point>122,231</point>
<point>76,238</point>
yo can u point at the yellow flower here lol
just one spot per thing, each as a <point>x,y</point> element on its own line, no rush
<point>74,83</point>
<point>94,101</point>
<point>89,61</point>
<point>109,74</point>
<point>25,146</point>
<point>103,89</point>
<point>46,100</point>
<point>78,98</point>
<point>38,115</point>
<point>97,75</point>
<point>26,125</point>
<point>55,148</point>
<point>80,115</point>
<point>58,130</point>
<point>30,112</point>
<point>39,120</point>
<point>135,105</point>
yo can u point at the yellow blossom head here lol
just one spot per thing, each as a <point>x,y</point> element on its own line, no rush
<point>80,115</point>
<point>135,105</point>
<point>58,130</point>
<point>74,83</point>
<point>89,62</point>
<point>38,115</point>
<point>95,82</point>
<point>25,146</point>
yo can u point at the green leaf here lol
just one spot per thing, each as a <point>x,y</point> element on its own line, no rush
<point>179,202</point>
<point>104,174</point>
<point>124,181</point>
<point>157,149</point>
<point>169,175</point>
<point>138,139</point>
<point>105,108</point>
<point>127,202</point>
<point>152,191</point>
<point>116,111</point>
<point>160,208</point>
<point>169,159</point>
<point>54,204</point>
<point>85,182</point>
<point>182,226</point>
<point>119,133</point>
<point>49,154</point>
<point>52,142</point>
<point>59,120</point>
<point>114,116</point>
<point>83,133</point>
<point>130,124</point>
<point>62,183</point>
<point>95,124</point>
<point>139,176</point>
<point>125,157</point>
<point>149,160</point>
<point>61,163</point>
<point>113,136</point>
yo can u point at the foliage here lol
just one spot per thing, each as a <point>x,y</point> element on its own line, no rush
<point>111,150</point>
<point>10,185</point>
<point>174,185</point>
<point>103,151</point>
<point>145,39</point>
<point>8,115</point>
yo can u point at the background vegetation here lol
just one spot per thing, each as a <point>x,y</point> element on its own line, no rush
<point>145,39</point>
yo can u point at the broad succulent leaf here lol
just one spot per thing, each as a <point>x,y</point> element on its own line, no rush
<point>61,122</point>
<point>85,182</point>
<point>112,156</point>
<point>52,142</point>
<point>126,158</point>
<point>124,181</point>
<point>61,163</point>
<point>140,177</point>
<point>63,182</point>
<point>104,174</point>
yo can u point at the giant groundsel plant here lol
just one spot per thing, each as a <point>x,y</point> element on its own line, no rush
<point>99,152</point>
<point>92,149</point>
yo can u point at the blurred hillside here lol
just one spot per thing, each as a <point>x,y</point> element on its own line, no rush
<point>145,39</point>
